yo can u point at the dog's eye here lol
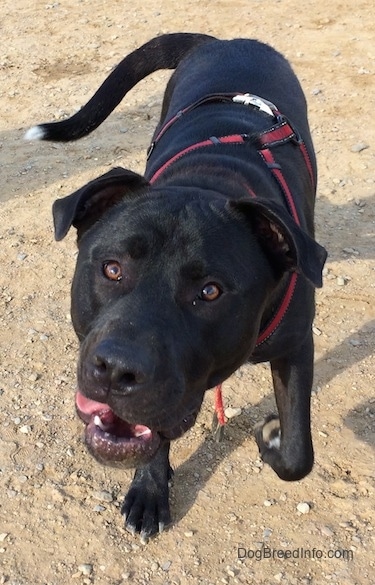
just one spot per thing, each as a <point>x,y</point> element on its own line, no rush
<point>210,292</point>
<point>112,270</point>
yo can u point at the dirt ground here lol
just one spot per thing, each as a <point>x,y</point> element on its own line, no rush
<point>59,510</point>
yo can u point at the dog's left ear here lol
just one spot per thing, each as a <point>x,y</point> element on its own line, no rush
<point>288,247</point>
<point>85,206</point>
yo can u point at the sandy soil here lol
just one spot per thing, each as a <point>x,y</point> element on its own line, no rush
<point>59,510</point>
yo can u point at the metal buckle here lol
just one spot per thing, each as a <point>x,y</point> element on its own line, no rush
<point>248,99</point>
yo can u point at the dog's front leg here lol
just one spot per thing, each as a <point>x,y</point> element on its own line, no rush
<point>146,505</point>
<point>285,442</point>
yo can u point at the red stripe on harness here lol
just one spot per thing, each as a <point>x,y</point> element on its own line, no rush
<point>233,139</point>
<point>282,132</point>
<point>268,158</point>
<point>308,164</point>
<point>273,325</point>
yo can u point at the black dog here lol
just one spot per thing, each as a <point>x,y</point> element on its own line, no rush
<point>205,262</point>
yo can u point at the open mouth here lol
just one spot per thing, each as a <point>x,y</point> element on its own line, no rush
<point>113,441</point>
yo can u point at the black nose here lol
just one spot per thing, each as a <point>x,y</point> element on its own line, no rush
<point>124,368</point>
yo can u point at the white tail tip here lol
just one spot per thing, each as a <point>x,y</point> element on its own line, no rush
<point>35,133</point>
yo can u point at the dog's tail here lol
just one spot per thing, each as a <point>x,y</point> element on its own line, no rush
<point>164,52</point>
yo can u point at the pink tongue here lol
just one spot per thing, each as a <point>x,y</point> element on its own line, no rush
<point>89,407</point>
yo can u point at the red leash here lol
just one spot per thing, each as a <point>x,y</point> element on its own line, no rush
<point>218,421</point>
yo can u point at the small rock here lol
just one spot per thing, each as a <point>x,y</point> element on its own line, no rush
<point>303,507</point>
<point>86,569</point>
<point>33,377</point>
<point>359,147</point>
<point>21,256</point>
<point>278,577</point>
<point>267,503</point>
<point>316,330</point>
<point>99,508</point>
<point>12,493</point>
<point>350,251</point>
<point>126,576</point>
<point>189,533</point>
<point>3,536</point>
<point>232,412</point>
<point>341,281</point>
<point>354,342</point>
<point>103,496</point>
<point>25,429</point>
<point>232,517</point>
<point>326,531</point>
<point>258,463</point>
<point>360,203</point>
<point>231,572</point>
<point>356,539</point>
<point>166,566</point>
<point>316,91</point>
<point>47,417</point>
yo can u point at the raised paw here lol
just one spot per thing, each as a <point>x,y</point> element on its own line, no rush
<point>290,455</point>
<point>146,505</point>
<point>268,434</point>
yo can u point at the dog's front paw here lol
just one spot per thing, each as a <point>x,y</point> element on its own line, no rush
<point>146,505</point>
<point>291,456</point>
<point>268,434</point>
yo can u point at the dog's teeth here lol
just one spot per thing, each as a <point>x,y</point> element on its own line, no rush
<point>98,422</point>
<point>141,433</point>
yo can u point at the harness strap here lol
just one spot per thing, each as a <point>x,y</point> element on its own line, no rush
<point>275,169</point>
<point>280,133</point>
<point>214,97</point>
<point>233,139</point>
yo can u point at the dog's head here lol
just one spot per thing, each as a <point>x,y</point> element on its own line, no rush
<point>167,299</point>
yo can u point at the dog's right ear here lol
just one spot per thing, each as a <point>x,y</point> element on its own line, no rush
<point>85,206</point>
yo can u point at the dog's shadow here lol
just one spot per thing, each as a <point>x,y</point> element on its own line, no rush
<point>361,420</point>
<point>192,476</point>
